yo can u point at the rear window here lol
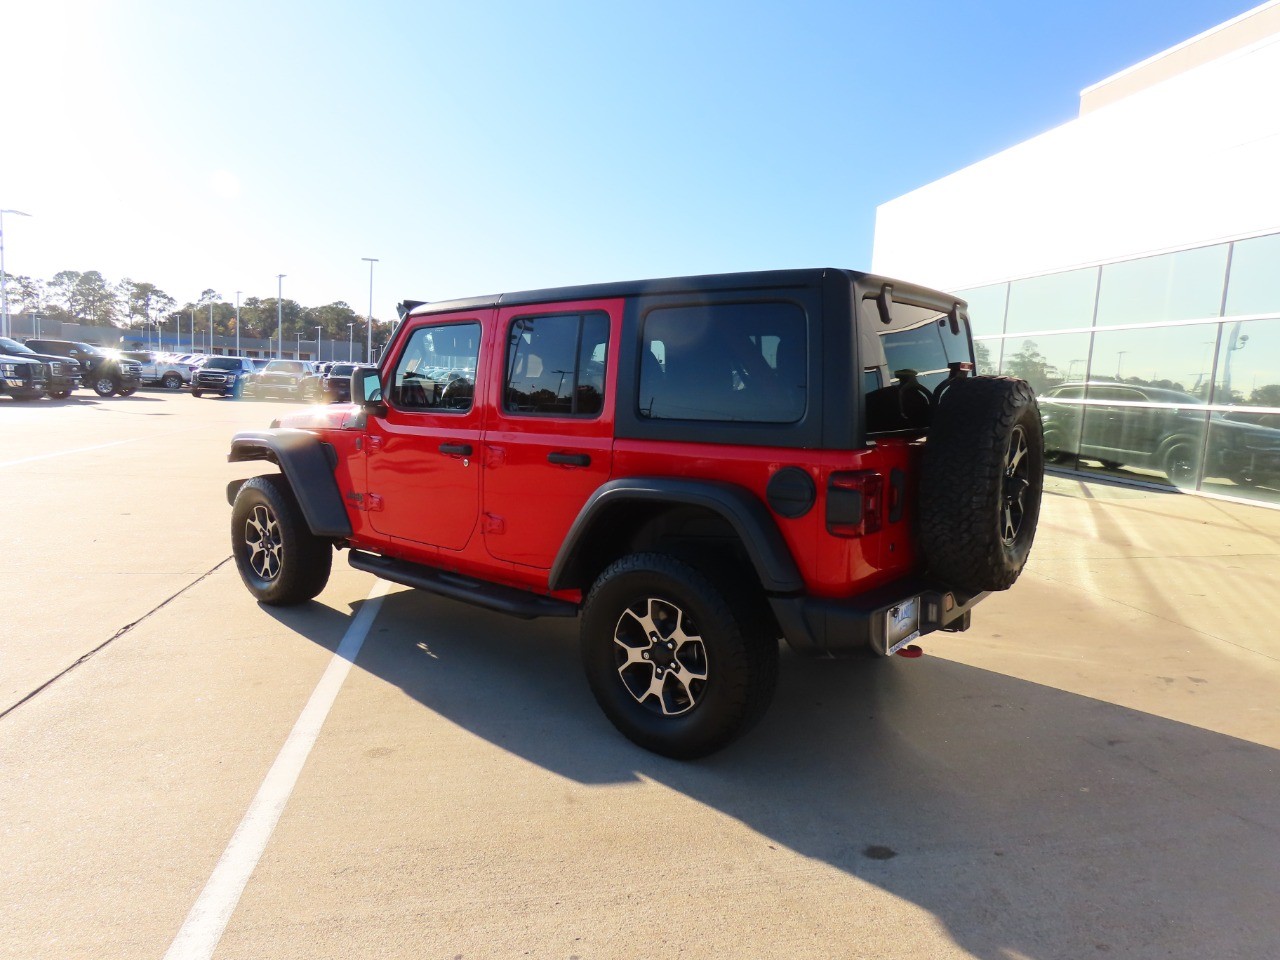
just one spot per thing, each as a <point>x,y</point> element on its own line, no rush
<point>925,348</point>
<point>915,349</point>
<point>741,362</point>
<point>342,370</point>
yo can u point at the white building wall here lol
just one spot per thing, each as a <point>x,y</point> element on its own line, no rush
<point>1191,160</point>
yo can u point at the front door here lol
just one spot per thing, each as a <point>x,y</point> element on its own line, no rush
<point>423,475</point>
<point>549,445</point>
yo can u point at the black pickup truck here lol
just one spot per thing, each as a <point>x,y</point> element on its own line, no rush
<point>104,371</point>
<point>62,374</point>
<point>22,378</point>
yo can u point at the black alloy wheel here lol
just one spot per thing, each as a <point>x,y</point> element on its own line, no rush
<point>678,666</point>
<point>279,559</point>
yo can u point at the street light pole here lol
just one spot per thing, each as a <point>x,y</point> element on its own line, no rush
<point>280,312</point>
<point>211,327</point>
<point>319,349</point>
<point>193,329</point>
<point>237,323</point>
<point>5,327</point>
<point>368,357</point>
<point>349,328</point>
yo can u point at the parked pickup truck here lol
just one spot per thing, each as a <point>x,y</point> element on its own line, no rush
<point>169,374</point>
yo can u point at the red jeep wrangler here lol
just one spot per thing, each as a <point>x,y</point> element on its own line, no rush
<point>696,466</point>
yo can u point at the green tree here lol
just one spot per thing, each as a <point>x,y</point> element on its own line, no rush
<point>25,295</point>
<point>982,354</point>
<point>99,304</point>
<point>1030,365</point>
<point>1266,396</point>
<point>144,303</point>
<point>62,293</point>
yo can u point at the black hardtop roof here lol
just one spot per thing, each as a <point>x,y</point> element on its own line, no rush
<point>707,283</point>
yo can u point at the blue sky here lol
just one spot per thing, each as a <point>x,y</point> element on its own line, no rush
<point>480,147</point>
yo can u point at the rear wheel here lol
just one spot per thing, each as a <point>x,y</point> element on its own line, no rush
<point>280,560</point>
<point>675,665</point>
<point>171,381</point>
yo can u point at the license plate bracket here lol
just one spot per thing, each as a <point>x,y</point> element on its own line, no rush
<point>901,625</point>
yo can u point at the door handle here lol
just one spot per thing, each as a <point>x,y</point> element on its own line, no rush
<point>456,449</point>
<point>570,459</point>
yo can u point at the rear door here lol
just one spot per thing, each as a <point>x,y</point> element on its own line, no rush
<point>549,444</point>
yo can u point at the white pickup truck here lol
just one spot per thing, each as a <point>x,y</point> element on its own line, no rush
<point>156,369</point>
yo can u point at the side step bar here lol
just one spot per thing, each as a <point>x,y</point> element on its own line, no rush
<point>509,600</point>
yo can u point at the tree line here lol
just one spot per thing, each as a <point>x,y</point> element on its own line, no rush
<point>88,298</point>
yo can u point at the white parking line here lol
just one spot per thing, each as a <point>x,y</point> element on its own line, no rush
<point>208,918</point>
<point>63,453</point>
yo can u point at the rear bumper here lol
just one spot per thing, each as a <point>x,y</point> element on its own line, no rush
<point>821,627</point>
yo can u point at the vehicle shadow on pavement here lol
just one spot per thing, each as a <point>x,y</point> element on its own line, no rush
<point>1029,821</point>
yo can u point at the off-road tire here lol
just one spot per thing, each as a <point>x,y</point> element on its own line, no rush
<point>738,656</point>
<point>171,381</point>
<point>127,391</point>
<point>102,384</point>
<point>980,500</point>
<point>197,393</point>
<point>266,512</point>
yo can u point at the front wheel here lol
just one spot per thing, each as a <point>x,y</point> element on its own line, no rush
<point>280,560</point>
<point>673,664</point>
<point>103,386</point>
<point>196,393</point>
<point>127,391</point>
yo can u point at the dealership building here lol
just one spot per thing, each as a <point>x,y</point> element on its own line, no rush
<point>1127,263</point>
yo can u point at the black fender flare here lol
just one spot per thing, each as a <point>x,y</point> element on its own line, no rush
<point>307,463</point>
<point>748,516</point>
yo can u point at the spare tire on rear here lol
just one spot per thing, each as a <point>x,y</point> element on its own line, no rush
<point>980,483</point>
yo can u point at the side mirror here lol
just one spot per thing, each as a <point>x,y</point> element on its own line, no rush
<point>366,391</point>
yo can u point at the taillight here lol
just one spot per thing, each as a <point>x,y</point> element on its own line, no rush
<point>855,503</point>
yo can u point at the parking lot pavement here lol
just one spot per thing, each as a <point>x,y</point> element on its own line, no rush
<point>1091,770</point>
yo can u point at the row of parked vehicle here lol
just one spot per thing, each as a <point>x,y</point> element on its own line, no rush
<point>288,379</point>
<point>38,367</point>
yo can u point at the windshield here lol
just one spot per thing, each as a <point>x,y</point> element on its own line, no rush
<point>342,370</point>
<point>13,346</point>
<point>223,363</point>
<point>286,366</point>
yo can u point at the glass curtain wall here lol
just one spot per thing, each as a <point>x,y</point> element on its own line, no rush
<point>1161,369</point>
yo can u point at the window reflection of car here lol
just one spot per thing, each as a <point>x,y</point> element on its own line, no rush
<point>1121,424</point>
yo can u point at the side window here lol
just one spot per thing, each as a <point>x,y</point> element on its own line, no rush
<point>556,364</point>
<point>437,369</point>
<point>744,362</point>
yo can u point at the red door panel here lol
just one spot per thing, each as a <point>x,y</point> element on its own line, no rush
<point>543,463</point>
